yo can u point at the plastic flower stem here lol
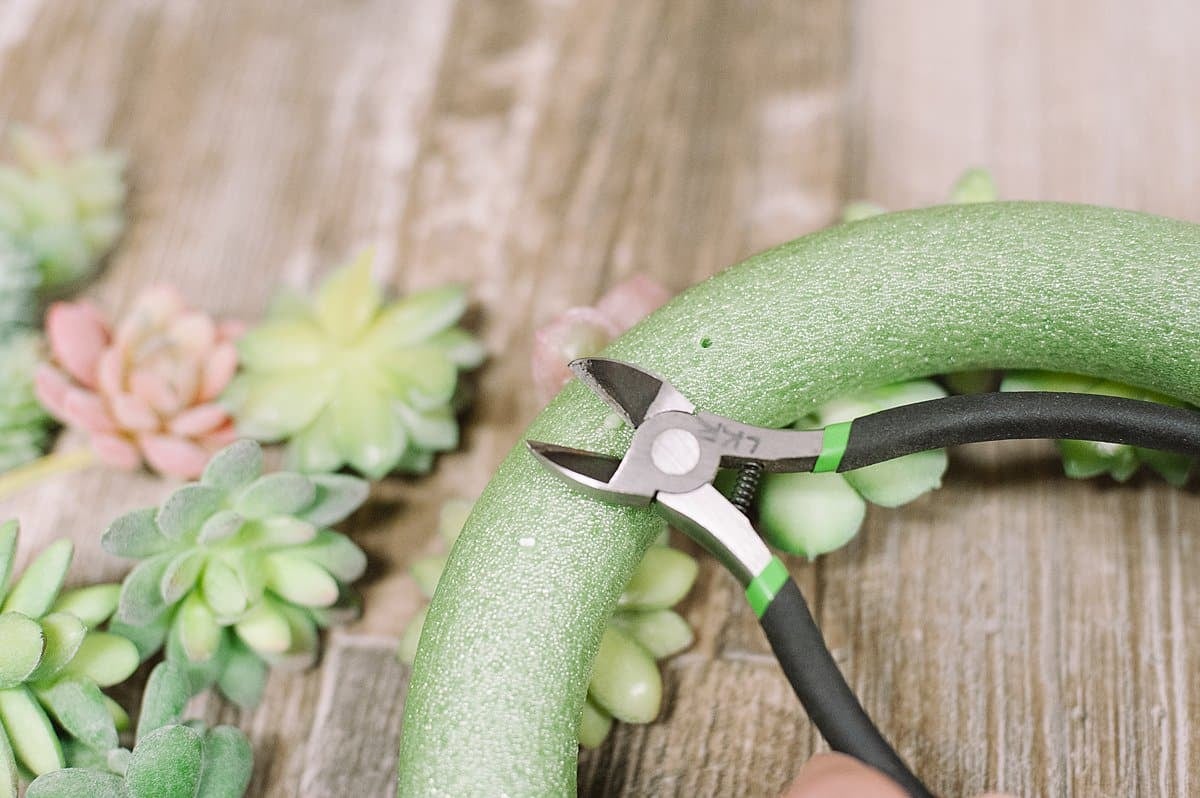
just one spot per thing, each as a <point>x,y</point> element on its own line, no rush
<point>51,465</point>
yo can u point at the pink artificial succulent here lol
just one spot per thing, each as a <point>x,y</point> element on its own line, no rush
<point>583,331</point>
<point>146,391</point>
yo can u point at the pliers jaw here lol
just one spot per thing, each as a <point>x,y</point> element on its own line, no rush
<point>671,462</point>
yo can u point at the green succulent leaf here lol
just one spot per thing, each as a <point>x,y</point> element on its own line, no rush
<point>93,605</point>
<point>417,317</point>
<point>30,733</point>
<point>35,591</point>
<point>147,638</point>
<point>105,658</point>
<point>625,680</point>
<point>663,633</point>
<point>462,348</point>
<point>199,632</point>
<point>280,494</point>
<point>21,651</point>
<point>79,707</point>
<point>166,763</point>
<point>186,510</point>
<point>234,467</point>
<point>664,576</point>
<point>900,481</point>
<point>1174,468</point>
<point>369,435</point>
<point>202,674</point>
<point>291,343</point>
<point>9,775</point>
<point>180,575</point>
<point>228,764</point>
<point>336,553</point>
<point>221,525</point>
<point>809,514</point>
<point>315,447</point>
<point>338,495</point>
<point>244,677</point>
<point>300,580</point>
<point>348,300</point>
<point>222,591</point>
<point>265,630</point>
<point>74,782</point>
<point>9,531</point>
<point>282,531</point>
<point>141,599</point>
<point>163,701</point>
<point>62,635</point>
<point>135,535</point>
<point>594,725</point>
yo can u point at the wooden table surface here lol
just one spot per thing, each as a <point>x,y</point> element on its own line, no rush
<point>1015,630</point>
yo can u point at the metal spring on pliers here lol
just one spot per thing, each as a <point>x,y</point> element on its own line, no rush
<point>746,486</point>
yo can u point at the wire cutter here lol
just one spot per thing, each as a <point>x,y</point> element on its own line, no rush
<point>677,450</point>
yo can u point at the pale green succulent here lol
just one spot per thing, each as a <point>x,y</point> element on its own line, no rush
<point>53,662</point>
<point>239,571</point>
<point>625,683</point>
<point>349,379</point>
<point>811,514</point>
<point>1084,459</point>
<point>24,424</point>
<point>64,209</point>
<point>20,280</point>
<point>171,758</point>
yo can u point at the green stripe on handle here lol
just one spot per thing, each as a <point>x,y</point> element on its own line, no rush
<point>833,446</point>
<point>763,588</point>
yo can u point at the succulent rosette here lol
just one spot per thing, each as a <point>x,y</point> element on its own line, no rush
<point>171,758</point>
<point>583,331</point>
<point>1084,459</point>
<point>53,662</point>
<point>239,570</point>
<point>626,684</point>
<point>24,424</point>
<point>145,391</point>
<point>811,514</point>
<point>63,208</point>
<point>347,378</point>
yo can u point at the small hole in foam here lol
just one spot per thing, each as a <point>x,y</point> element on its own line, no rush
<point>705,342</point>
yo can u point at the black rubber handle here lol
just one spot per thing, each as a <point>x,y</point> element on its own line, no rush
<point>821,688</point>
<point>998,416</point>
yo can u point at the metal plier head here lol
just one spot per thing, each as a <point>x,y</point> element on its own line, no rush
<point>673,458</point>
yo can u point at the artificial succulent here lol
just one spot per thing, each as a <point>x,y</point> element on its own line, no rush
<point>625,682</point>
<point>64,208</point>
<point>144,391</point>
<point>239,570</point>
<point>24,424</point>
<point>1084,459</point>
<point>171,758</point>
<point>347,378</point>
<point>53,662</point>
<point>582,331</point>
<point>811,514</point>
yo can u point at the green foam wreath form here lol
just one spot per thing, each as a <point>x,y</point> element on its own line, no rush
<point>502,668</point>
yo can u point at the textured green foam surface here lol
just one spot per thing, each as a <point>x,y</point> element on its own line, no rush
<point>502,668</point>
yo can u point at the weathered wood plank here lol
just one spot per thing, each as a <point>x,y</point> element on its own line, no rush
<point>1015,630</point>
<point>357,723</point>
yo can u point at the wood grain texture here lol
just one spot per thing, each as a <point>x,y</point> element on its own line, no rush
<point>1014,630</point>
